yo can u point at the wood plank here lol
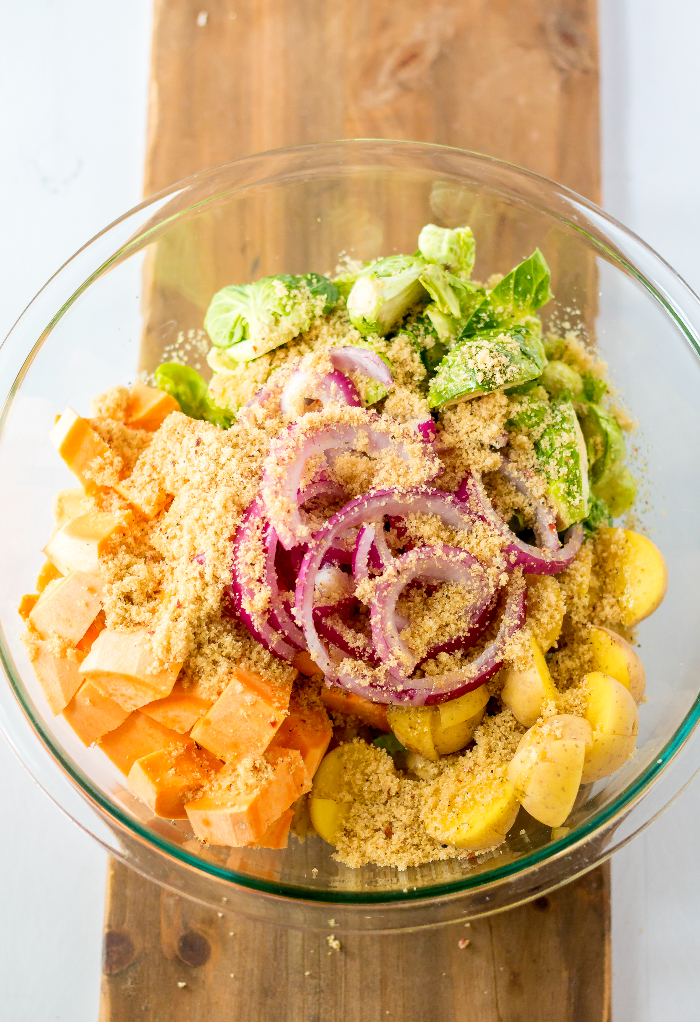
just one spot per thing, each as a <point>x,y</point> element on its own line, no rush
<point>548,960</point>
<point>517,81</point>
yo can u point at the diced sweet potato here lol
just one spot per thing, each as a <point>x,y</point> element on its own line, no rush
<point>67,607</point>
<point>165,780</point>
<point>78,443</point>
<point>243,720</point>
<point>27,604</point>
<point>307,729</point>
<point>148,407</point>
<point>77,546</point>
<point>179,711</point>
<point>93,714</point>
<point>277,834</point>
<point>67,504</point>
<point>304,664</point>
<point>144,495</point>
<point>137,737</point>
<point>58,676</point>
<point>87,641</point>
<point>123,665</point>
<point>374,714</point>
<point>47,573</point>
<point>242,801</point>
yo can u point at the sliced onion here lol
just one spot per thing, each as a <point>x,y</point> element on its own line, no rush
<point>371,552</point>
<point>426,429</point>
<point>327,388</point>
<point>358,649</point>
<point>429,563</point>
<point>284,465</point>
<point>545,526</point>
<point>361,360</point>
<point>532,559</point>
<point>467,638</point>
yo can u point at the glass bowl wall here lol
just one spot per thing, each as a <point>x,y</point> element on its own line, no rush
<point>118,305</point>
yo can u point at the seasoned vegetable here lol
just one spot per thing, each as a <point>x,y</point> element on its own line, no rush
<point>191,392</point>
<point>561,453</point>
<point>384,292</point>
<point>454,249</point>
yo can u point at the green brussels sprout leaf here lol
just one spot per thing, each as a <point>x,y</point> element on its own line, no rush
<point>192,393</point>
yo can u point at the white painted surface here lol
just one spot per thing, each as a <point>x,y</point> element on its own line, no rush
<point>73,82</point>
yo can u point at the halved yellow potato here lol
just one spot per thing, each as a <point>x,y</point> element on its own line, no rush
<point>524,691</point>
<point>434,731</point>
<point>638,570</point>
<point>613,655</point>
<point>478,819</point>
<point>327,817</point>
<point>605,755</point>
<point>546,770</point>
<point>610,708</point>
<point>327,813</point>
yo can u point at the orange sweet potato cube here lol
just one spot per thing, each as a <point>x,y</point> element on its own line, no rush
<point>306,729</point>
<point>77,546</point>
<point>67,504</point>
<point>242,801</point>
<point>124,666</point>
<point>374,714</point>
<point>67,607</point>
<point>148,407</point>
<point>137,737</point>
<point>277,834</point>
<point>92,714</point>
<point>27,604</point>
<point>58,676</point>
<point>78,443</point>
<point>47,573</point>
<point>243,720</point>
<point>304,664</point>
<point>181,710</point>
<point>167,779</point>
<point>86,643</point>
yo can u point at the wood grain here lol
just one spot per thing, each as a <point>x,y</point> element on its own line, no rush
<point>513,80</point>
<point>547,961</point>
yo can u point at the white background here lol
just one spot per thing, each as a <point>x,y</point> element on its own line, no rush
<point>73,98</point>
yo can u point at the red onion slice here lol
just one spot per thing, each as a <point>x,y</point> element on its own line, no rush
<point>371,552</point>
<point>361,360</point>
<point>545,526</point>
<point>313,434</point>
<point>326,388</point>
<point>429,563</point>
<point>328,621</point>
<point>531,558</point>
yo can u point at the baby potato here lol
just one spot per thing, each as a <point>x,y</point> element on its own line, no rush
<point>478,818</point>
<point>610,708</point>
<point>639,573</point>
<point>326,813</point>
<point>605,755</point>
<point>524,691</point>
<point>613,655</point>
<point>434,731</point>
<point>547,768</point>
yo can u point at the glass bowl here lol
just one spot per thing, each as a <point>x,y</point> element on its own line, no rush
<point>124,298</point>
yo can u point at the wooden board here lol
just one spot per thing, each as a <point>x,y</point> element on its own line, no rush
<point>166,958</point>
<point>514,80</point>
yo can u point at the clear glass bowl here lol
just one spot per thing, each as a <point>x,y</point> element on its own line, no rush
<point>123,299</point>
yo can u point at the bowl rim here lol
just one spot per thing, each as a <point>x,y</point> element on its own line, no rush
<point>622,804</point>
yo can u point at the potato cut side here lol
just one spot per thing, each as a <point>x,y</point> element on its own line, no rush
<point>413,726</point>
<point>92,714</point>
<point>137,737</point>
<point>306,729</point>
<point>58,676</point>
<point>478,817</point>
<point>242,801</point>
<point>610,708</point>
<point>244,719</point>
<point>614,656</point>
<point>67,607</point>
<point>374,714</point>
<point>277,834</point>
<point>526,689</point>
<point>606,754</point>
<point>148,407</point>
<point>123,665</point>
<point>165,780</point>
<point>180,710</point>
<point>78,545</point>
<point>67,504</point>
<point>464,709</point>
<point>327,817</point>
<point>638,570</point>
<point>78,443</point>
<point>47,573</point>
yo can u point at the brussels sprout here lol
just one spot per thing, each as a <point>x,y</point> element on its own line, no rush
<point>593,387</point>
<point>598,516</point>
<point>561,453</point>
<point>384,292</point>
<point>248,320</point>
<point>604,440</point>
<point>191,392</point>
<point>520,294</point>
<point>559,377</point>
<point>617,488</point>
<point>454,248</point>
<point>484,362</point>
<point>529,410</point>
